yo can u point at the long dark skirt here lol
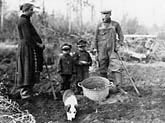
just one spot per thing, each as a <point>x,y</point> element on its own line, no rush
<point>25,66</point>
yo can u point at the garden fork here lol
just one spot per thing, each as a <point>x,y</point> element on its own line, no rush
<point>131,79</point>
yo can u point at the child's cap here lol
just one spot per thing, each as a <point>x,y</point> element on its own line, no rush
<point>66,47</point>
<point>81,43</point>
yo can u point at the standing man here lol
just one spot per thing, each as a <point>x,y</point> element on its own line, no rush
<point>108,39</point>
<point>30,53</point>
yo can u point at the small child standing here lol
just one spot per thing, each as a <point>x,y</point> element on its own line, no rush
<point>66,66</point>
<point>82,61</point>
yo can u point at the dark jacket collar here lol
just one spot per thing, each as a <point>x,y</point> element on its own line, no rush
<point>25,16</point>
<point>107,21</point>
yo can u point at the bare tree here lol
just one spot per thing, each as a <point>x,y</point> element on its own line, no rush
<point>76,7</point>
<point>1,12</point>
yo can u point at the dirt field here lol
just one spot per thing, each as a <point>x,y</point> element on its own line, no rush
<point>118,108</point>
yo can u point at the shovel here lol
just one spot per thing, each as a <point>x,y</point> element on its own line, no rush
<point>131,79</point>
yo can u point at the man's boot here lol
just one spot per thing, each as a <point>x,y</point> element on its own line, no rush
<point>24,92</point>
<point>117,78</point>
<point>118,81</point>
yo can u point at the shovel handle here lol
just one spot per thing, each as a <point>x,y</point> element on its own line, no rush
<point>128,75</point>
<point>52,86</point>
<point>110,84</point>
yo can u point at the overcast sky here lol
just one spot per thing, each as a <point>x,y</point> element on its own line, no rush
<point>148,12</point>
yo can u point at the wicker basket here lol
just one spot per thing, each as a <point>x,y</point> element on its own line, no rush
<point>95,88</point>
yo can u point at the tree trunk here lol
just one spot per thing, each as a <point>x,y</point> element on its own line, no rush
<point>1,13</point>
<point>92,13</point>
<point>80,16</point>
<point>69,16</point>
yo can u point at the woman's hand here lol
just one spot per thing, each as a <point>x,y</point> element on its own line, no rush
<point>41,45</point>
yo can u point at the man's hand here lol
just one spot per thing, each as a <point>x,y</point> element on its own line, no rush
<point>97,57</point>
<point>118,45</point>
<point>94,50</point>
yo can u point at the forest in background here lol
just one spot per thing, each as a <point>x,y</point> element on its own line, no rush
<point>54,26</point>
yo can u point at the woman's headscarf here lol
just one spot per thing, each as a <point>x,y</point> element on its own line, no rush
<point>26,6</point>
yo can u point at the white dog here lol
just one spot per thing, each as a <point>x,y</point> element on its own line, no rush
<point>70,103</point>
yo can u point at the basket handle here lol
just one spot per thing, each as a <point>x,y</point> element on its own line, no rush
<point>110,84</point>
<point>79,84</point>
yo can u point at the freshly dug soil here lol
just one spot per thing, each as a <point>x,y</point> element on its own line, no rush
<point>117,108</point>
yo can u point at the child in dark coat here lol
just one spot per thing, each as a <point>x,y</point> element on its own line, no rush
<point>66,66</point>
<point>82,61</point>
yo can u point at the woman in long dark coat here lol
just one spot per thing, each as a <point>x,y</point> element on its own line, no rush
<point>30,53</point>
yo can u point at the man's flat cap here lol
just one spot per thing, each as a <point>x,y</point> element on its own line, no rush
<point>26,6</point>
<point>106,12</point>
